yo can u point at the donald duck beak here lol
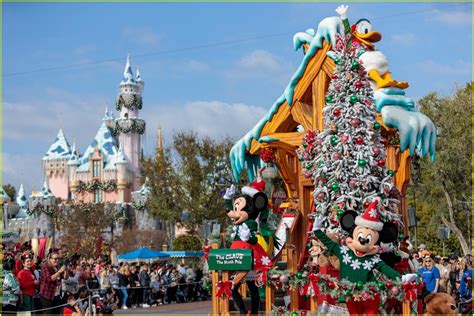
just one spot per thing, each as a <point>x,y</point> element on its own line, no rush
<point>362,31</point>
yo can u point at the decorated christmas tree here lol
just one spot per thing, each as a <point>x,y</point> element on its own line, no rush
<point>346,161</point>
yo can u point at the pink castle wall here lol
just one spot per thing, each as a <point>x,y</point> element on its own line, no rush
<point>59,186</point>
<point>110,196</point>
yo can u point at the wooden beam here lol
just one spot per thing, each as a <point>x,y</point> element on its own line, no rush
<point>319,99</point>
<point>303,114</point>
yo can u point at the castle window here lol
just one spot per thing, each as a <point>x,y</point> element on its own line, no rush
<point>98,196</point>
<point>96,168</point>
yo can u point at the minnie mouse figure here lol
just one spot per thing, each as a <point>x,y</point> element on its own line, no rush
<point>360,255</point>
<point>243,212</point>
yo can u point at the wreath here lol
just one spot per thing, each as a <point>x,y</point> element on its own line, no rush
<point>106,186</point>
<point>135,102</point>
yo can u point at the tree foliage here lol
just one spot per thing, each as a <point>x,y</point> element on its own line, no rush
<point>10,190</point>
<point>187,180</point>
<point>132,239</point>
<point>443,187</point>
<point>187,243</point>
<point>80,225</point>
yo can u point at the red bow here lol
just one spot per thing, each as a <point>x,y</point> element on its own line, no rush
<point>313,279</point>
<point>224,287</point>
<point>410,291</point>
<point>206,250</point>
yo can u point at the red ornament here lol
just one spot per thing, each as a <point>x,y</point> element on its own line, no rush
<point>344,138</point>
<point>336,112</point>
<point>372,288</point>
<point>376,294</point>
<point>358,84</point>
<point>376,151</point>
<point>359,140</point>
<point>388,284</point>
<point>344,287</point>
<point>381,163</point>
<point>331,285</point>
<point>334,76</point>
<point>278,284</point>
<point>355,122</point>
<point>366,204</point>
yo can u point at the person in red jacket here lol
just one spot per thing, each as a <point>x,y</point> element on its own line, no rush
<point>26,250</point>
<point>28,283</point>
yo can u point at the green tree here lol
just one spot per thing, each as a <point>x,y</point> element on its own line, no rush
<point>10,190</point>
<point>187,243</point>
<point>186,180</point>
<point>443,187</point>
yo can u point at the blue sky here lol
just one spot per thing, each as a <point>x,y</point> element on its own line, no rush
<point>214,68</point>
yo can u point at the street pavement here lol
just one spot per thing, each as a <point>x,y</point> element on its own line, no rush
<point>201,308</point>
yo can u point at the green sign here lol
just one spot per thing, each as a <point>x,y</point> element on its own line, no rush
<point>230,259</point>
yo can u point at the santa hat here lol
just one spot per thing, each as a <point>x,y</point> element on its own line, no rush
<point>370,218</point>
<point>258,184</point>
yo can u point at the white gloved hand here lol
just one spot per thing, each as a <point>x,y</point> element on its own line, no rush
<point>229,192</point>
<point>318,221</point>
<point>342,10</point>
<point>244,232</point>
<point>408,278</point>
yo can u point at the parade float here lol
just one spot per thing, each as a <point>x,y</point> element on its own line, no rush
<point>341,137</point>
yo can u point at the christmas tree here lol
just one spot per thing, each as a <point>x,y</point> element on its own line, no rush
<point>346,160</point>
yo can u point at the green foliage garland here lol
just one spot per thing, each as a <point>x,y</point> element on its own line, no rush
<point>138,205</point>
<point>136,102</point>
<point>137,126</point>
<point>107,186</point>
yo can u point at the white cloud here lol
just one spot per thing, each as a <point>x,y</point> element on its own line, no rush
<point>23,169</point>
<point>404,39</point>
<point>453,17</point>
<point>457,68</point>
<point>197,66</point>
<point>215,119</point>
<point>141,35</point>
<point>261,64</point>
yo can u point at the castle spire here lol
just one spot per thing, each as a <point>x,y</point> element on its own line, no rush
<point>159,144</point>
<point>127,73</point>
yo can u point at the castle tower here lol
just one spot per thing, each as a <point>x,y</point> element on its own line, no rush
<point>55,166</point>
<point>129,127</point>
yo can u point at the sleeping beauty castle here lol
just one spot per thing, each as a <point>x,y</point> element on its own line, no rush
<point>108,171</point>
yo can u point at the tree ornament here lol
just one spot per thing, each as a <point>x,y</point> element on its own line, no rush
<point>344,287</point>
<point>353,99</point>
<point>278,284</point>
<point>362,163</point>
<point>355,122</point>
<point>336,112</point>
<point>338,87</point>
<point>360,285</point>
<point>365,296</point>
<point>391,172</point>
<point>376,294</point>
<point>321,196</point>
<point>352,183</point>
<point>355,65</point>
<point>335,187</point>
<point>336,156</point>
<point>376,151</point>
<point>381,163</point>
<point>359,85</point>
<point>359,140</point>
<point>337,60</point>
<point>377,125</point>
<point>344,138</point>
<point>333,140</point>
<point>331,285</point>
<point>389,284</point>
<point>381,285</point>
<point>309,166</point>
<point>395,291</point>
<point>329,99</point>
<point>339,213</point>
<point>366,203</point>
<point>372,288</point>
<point>341,299</point>
<point>284,279</point>
<point>348,293</point>
<point>335,76</point>
<point>401,236</point>
<point>308,245</point>
<point>299,275</point>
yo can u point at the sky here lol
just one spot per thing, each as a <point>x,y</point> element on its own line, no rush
<point>213,68</point>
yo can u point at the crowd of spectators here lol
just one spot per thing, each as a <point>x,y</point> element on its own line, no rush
<point>64,284</point>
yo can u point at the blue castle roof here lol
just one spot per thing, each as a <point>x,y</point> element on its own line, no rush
<point>59,149</point>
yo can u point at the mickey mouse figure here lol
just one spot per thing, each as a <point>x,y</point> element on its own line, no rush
<point>244,211</point>
<point>360,256</point>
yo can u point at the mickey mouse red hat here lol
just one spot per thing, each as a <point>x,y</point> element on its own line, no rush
<point>370,218</point>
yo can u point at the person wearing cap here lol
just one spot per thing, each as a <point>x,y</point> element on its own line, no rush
<point>421,250</point>
<point>430,274</point>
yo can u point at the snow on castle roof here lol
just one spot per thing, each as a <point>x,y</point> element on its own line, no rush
<point>104,141</point>
<point>59,149</point>
<point>127,73</point>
